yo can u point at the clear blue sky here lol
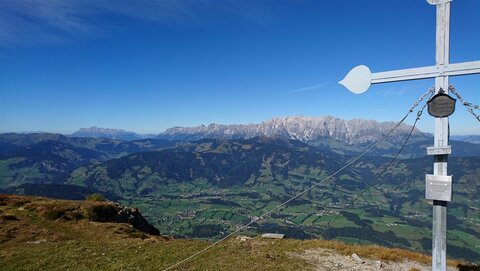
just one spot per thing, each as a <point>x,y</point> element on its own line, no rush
<point>149,65</point>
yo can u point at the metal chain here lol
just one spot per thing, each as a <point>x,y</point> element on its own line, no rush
<point>431,90</point>
<point>470,107</point>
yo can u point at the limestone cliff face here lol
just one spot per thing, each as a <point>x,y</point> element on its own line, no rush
<point>305,129</point>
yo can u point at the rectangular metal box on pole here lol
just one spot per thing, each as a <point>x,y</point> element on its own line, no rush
<point>438,187</point>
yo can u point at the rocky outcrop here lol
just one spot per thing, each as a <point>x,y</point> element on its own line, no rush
<point>114,212</point>
<point>134,217</point>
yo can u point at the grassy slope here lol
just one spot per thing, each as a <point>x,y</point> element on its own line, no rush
<point>33,238</point>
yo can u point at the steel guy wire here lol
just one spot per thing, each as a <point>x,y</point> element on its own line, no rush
<point>302,192</point>
<point>419,114</point>
<point>431,91</point>
<point>470,107</point>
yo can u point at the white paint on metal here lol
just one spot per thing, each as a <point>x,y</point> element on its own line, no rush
<point>438,187</point>
<point>472,67</point>
<point>439,235</point>
<point>441,72</point>
<point>439,219</point>
<point>358,79</point>
<point>438,2</point>
<point>403,75</point>
<point>439,150</point>
<point>454,69</point>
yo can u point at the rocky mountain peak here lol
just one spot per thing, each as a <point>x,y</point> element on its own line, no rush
<point>303,128</point>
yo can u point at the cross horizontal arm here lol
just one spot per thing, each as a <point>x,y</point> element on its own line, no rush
<point>452,69</point>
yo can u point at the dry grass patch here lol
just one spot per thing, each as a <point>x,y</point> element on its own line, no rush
<point>46,236</point>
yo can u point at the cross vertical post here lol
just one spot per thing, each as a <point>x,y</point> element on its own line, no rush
<point>439,219</point>
<point>438,187</point>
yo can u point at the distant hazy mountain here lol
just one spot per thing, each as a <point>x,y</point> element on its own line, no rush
<point>108,148</point>
<point>46,158</point>
<point>97,132</point>
<point>306,129</point>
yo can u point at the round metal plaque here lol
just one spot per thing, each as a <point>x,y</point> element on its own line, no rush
<point>441,105</point>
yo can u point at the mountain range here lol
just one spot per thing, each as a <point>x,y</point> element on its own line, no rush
<point>305,129</point>
<point>312,130</point>
<point>341,136</point>
<point>97,132</point>
<point>202,182</point>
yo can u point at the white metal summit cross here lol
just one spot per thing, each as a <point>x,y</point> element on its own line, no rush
<point>359,79</point>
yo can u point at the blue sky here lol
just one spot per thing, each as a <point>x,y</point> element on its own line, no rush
<point>149,65</point>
